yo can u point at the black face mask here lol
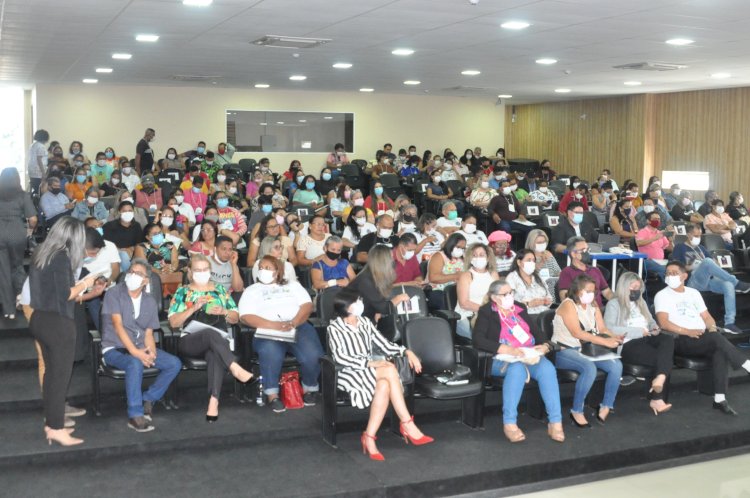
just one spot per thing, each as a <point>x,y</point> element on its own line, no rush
<point>333,255</point>
<point>55,191</point>
<point>635,295</point>
<point>408,218</point>
<point>586,258</point>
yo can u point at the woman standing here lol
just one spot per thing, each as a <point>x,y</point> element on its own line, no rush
<point>53,291</point>
<point>15,206</point>
<point>373,383</point>
<point>37,163</point>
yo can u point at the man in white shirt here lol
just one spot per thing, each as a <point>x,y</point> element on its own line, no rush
<point>680,310</point>
<point>450,221</point>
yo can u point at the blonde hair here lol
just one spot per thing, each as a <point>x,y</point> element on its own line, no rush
<point>380,264</point>
<point>469,254</point>
<point>531,238</point>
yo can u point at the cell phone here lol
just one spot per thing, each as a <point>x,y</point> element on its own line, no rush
<point>668,233</point>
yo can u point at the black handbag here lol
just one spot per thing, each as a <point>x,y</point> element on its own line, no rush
<point>591,349</point>
<point>405,371</point>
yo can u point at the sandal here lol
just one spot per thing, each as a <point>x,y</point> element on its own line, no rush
<point>514,435</point>
<point>555,432</point>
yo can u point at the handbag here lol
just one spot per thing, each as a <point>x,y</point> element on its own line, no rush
<point>405,372</point>
<point>291,390</point>
<point>591,349</point>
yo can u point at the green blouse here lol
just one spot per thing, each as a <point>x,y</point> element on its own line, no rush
<point>185,297</point>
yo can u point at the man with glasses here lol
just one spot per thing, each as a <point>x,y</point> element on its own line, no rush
<point>681,310</point>
<point>129,317</point>
<point>580,263</point>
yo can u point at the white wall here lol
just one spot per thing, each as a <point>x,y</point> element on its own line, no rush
<point>117,116</point>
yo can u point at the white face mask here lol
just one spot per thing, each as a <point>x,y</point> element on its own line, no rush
<point>719,209</point>
<point>540,247</point>
<point>221,178</point>
<point>513,187</point>
<point>167,222</point>
<point>579,196</point>
<point>170,157</point>
<point>648,209</point>
<point>587,298</point>
<point>232,190</point>
<point>498,177</point>
<point>133,281</point>
<point>265,276</point>
<point>506,190</point>
<point>127,216</point>
<point>357,308</point>
<point>479,263</point>
<point>385,233</point>
<point>507,301</point>
<point>543,190</point>
<point>658,193</point>
<point>485,184</point>
<point>201,277</point>
<point>438,163</point>
<point>673,281</point>
<point>126,171</point>
<point>695,241</point>
<point>676,191</point>
<point>407,227</point>
<point>436,180</point>
<point>457,252</point>
<point>529,267</point>
<point>575,184</point>
<point>470,228</point>
<point>114,181</point>
<point>469,155</point>
<point>408,255</point>
<point>92,200</point>
<point>360,221</point>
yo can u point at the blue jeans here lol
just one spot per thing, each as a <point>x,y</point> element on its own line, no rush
<point>710,277</point>
<point>307,350</point>
<point>654,267</point>
<point>572,359</point>
<point>124,261</point>
<point>514,379</point>
<point>95,307</point>
<point>169,366</point>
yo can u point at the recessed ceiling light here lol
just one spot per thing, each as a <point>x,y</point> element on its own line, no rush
<point>364,90</point>
<point>471,72</point>
<point>546,61</point>
<point>342,65</point>
<point>680,41</point>
<point>147,38</point>
<point>515,25</point>
<point>122,56</point>
<point>90,81</point>
<point>633,83</point>
<point>721,76</point>
<point>562,90</point>
<point>505,96</point>
<point>412,82</point>
<point>197,3</point>
<point>402,51</point>
<point>298,77</point>
<point>279,122</point>
<point>103,69</point>
<point>303,121</point>
<point>263,124</point>
<point>327,117</point>
<point>262,85</point>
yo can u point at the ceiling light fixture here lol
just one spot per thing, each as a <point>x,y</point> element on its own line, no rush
<point>366,90</point>
<point>402,51</point>
<point>105,70</point>
<point>279,122</point>
<point>412,82</point>
<point>342,65</point>
<point>516,25</point>
<point>303,121</point>
<point>505,96</point>
<point>263,124</point>
<point>147,38</point>
<point>298,77</point>
<point>680,41</point>
<point>122,56</point>
<point>90,81</point>
<point>632,83</point>
<point>721,76</point>
<point>327,117</point>
<point>197,3</point>
<point>471,72</point>
<point>562,90</point>
<point>262,85</point>
<point>546,61</point>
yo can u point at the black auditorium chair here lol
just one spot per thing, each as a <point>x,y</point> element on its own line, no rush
<point>324,311</point>
<point>391,185</point>
<point>713,242</point>
<point>450,315</point>
<point>247,164</point>
<point>392,325</point>
<point>354,175</point>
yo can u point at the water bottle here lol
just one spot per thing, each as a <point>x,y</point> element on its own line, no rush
<point>259,397</point>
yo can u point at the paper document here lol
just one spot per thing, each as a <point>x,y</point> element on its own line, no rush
<point>409,307</point>
<point>277,335</point>
<point>608,356</point>
<point>526,222</point>
<point>196,326</point>
<point>527,354</point>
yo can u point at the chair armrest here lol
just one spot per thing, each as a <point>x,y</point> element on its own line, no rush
<point>478,361</point>
<point>448,315</point>
<point>95,336</point>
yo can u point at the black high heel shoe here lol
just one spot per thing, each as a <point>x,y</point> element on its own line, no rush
<point>212,418</point>
<point>578,424</point>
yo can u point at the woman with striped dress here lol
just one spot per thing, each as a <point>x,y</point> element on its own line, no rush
<point>367,376</point>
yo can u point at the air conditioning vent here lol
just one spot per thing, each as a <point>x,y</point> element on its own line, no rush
<point>194,78</point>
<point>295,42</point>
<point>651,66</point>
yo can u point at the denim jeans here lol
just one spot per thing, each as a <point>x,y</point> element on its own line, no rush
<point>169,366</point>
<point>572,359</point>
<point>514,378</point>
<point>710,277</point>
<point>124,261</point>
<point>307,350</point>
<point>654,267</point>
<point>95,307</point>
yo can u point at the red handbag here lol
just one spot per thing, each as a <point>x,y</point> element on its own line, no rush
<point>291,390</point>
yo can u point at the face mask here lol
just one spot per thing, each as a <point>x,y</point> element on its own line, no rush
<point>386,161</point>
<point>310,185</point>
<point>506,190</point>
<point>457,252</point>
<point>408,227</point>
<point>200,150</point>
<point>109,155</point>
<point>55,191</point>
<point>498,177</point>
<point>92,200</point>
<point>579,197</point>
<point>101,163</point>
<point>408,255</point>
<point>126,170</point>
<point>212,217</point>
<point>197,190</point>
<point>357,308</point>
<point>265,276</point>
<point>326,177</point>
<point>300,179</point>
<point>438,163</point>
<point>676,191</point>
<point>654,223</point>
<point>88,259</point>
<point>519,177</point>
<point>157,239</point>
<point>360,220</point>
<point>333,255</point>
<point>673,281</point>
<point>209,163</point>
<point>133,281</point>
<point>80,178</point>
<point>577,218</point>
<point>359,202</point>
<point>635,295</point>
<point>127,216</point>
<point>79,164</point>
<point>540,247</point>
<point>222,150</point>
<point>436,180</point>
<point>479,263</point>
<point>201,277</point>
<point>385,233</point>
<point>543,190</point>
<point>222,203</point>
<point>114,181</point>
<point>378,190</point>
<point>529,267</point>
<point>695,241</point>
<point>485,184</point>
<point>469,156</point>
<point>719,209</point>
<point>99,230</point>
<point>221,178</point>
<point>452,215</point>
<point>57,154</point>
<point>470,228</point>
<point>627,211</point>
<point>347,194</point>
<point>575,184</point>
<point>513,187</point>
<point>167,222</point>
<point>76,150</point>
<point>657,192</point>
<point>506,302</point>
<point>233,190</point>
<point>587,298</point>
<point>648,209</point>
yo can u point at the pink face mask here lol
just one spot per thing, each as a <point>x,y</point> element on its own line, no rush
<point>359,202</point>
<point>506,302</point>
<point>347,194</point>
<point>587,298</point>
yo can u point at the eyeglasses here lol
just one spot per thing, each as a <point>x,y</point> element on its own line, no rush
<point>509,293</point>
<point>272,226</point>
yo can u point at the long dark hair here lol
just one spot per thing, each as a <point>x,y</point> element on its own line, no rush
<point>516,266</point>
<point>577,285</point>
<point>351,222</point>
<point>451,243</point>
<point>262,231</point>
<point>618,209</point>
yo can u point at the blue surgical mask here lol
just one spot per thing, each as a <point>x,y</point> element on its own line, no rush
<point>266,208</point>
<point>80,178</point>
<point>222,203</point>
<point>310,185</point>
<point>157,239</point>
<point>196,190</point>
<point>378,190</point>
<point>326,176</point>
<point>200,150</point>
<point>109,155</point>
<point>88,259</point>
<point>577,218</point>
<point>300,179</point>
<point>99,230</point>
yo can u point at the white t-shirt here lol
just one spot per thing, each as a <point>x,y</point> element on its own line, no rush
<point>136,304</point>
<point>682,308</point>
<point>103,261</point>
<point>289,274</point>
<point>364,230</point>
<point>187,211</point>
<point>131,181</point>
<point>273,302</point>
<point>429,248</point>
<point>444,222</point>
<point>37,149</point>
<point>474,238</point>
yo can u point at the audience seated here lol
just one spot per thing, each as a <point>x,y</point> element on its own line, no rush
<point>473,284</point>
<point>378,202</point>
<point>231,223</point>
<point>571,225</point>
<point>161,254</point>
<point>310,247</point>
<point>331,270</point>
<point>653,242</point>
<point>528,286</point>
<point>125,233</point>
<point>383,235</point>
<point>53,203</point>
<point>224,265</point>
<point>580,264</point>
<point>273,246</point>
<point>576,193</point>
<point>405,262</point>
<point>543,196</point>
<point>270,226</point>
<point>504,255</point>
<point>139,214</point>
<point>470,232</point>
<point>374,283</point>
<point>450,222</point>
<point>546,264</point>
<point>445,268</point>
<point>648,207</point>
<point>720,223</point>
<point>684,210</point>
<point>622,222</point>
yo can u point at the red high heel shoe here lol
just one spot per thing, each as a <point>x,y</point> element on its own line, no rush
<point>373,456</point>
<point>416,442</point>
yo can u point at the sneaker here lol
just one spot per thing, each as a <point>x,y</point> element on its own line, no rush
<point>148,409</point>
<point>277,406</point>
<point>140,424</point>
<point>310,398</point>
<point>69,422</point>
<point>627,380</point>
<point>732,328</point>
<point>72,411</point>
<point>742,287</point>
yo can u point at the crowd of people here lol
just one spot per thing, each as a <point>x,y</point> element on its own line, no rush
<point>255,247</point>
